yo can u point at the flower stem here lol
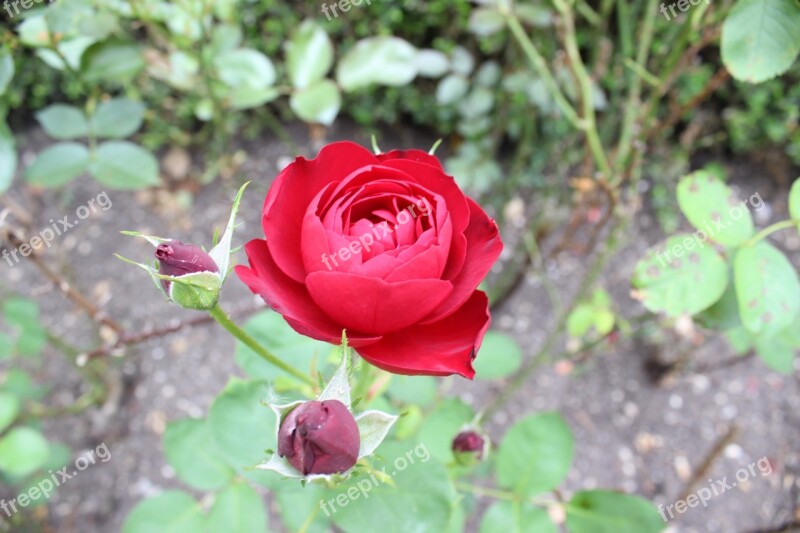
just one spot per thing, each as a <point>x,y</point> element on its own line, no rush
<point>224,320</point>
<point>772,229</point>
<point>485,491</point>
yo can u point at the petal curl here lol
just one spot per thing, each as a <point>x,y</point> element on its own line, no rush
<point>439,349</point>
<point>293,189</point>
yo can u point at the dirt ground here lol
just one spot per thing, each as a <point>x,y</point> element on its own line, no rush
<point>632,432</point>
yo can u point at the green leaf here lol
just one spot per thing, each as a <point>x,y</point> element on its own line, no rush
<point>604,511</point>
<point>767,288</point>
<point>8,156</point>
<point>478,103</point>
<point>19,383</point>
<point>118,118</point>
<point>58,165</point>
<point>677,277</point>
<point>98,25</point>
<point>499,356</point>
<point>238,509</point>
<point>418,497</point>
<point>759,38</point>
<point>382,60</point>
<point>419,390</point>
<point>794,201</point>
<point>191,450</point>
<point>516,517</point>
<point>9,408</point>
<point>245,67</point>
<point>172,511</point>
<point>485,21</point>
<point>6,346</point>
<point>724,314</point>
<point>71,50</point>
<point>451,89</point>
<point>580,320</point>
<point>779,351</point>
<point>123,165</point>
<point>112,61</point>
<point>33,31</point>
<point>22,451</point>
<point>318,103</point>
<point>249,97</point>
<point>432,63</point>
<point>242,427</point>
<point>535,455</point>
<point>20,311</point>
<point>62,121</point>
<point>309,55</point>
<point>298,503</point>
<point>441,427</point>
<point>6,69</point>
<point>272,331</point>
<point>712,208</point>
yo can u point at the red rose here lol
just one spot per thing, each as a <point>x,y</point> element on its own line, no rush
<point>385,246</point>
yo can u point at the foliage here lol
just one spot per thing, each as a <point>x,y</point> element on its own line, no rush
<point>725,274</point>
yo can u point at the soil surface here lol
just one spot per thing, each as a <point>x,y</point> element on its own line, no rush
<point>639,425</point>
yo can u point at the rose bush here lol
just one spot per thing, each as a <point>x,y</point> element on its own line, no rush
<point>385,246</point>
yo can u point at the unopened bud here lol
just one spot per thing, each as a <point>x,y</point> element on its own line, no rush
<point>320,438</point>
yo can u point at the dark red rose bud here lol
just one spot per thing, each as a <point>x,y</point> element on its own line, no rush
<point>468,441</point>
<point>320,438</point>
<point>469,447</point>
<point>178,259</point>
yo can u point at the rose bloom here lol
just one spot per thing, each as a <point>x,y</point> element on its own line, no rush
<point>385,246</point>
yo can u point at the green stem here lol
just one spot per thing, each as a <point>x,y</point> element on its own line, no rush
<point>633,103</point>
<point>225,321</point>
<point>595,269</point>
<point>491,493</point>
<point>586,86</point>
<point>540,66</point>
<point>772,229</point>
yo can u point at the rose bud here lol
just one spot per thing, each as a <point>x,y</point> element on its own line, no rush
<point>177,260</point>
<point>320,438</point>
<point>469,447</point>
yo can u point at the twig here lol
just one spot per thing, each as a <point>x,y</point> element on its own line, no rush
<point>702,470</point>
<point>66,289</point>
<point>154,333</point>
<point>714,83</point>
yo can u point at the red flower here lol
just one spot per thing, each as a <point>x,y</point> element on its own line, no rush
<point>387,247</point>
<point>320,438</point>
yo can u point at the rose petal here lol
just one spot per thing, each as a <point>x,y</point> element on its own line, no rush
<point>483,249</point>
<point>291,299</point>
<point>293,190</point>
<point>439,349</point>
<point>439,183</point>
<point>372,305</point>
<point>414,155</point>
